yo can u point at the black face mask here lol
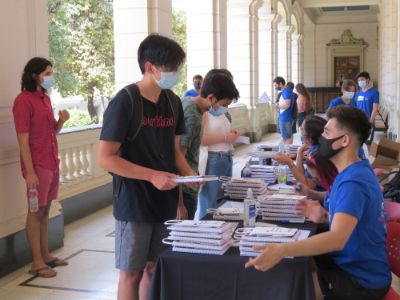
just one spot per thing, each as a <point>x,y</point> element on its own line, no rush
<point>325,147</point>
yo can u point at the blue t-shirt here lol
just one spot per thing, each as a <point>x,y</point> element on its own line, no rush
<point>339,101</point>
<point>356,192</point>
<point>365,100</point>
<point>190,93</point>
<point>287,114</point>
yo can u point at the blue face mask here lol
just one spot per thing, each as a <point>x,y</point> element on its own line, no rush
<point>168,80</point>
<point>47,82</point>
<point>196,85</point>
<point>219,112</point>
<point>348,95</point>
<point>362,83</point>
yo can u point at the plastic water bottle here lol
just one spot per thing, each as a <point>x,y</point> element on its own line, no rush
<point>246,173</point>
<point>249,210</point>
<point>281,147</point>
<point>33,200</point>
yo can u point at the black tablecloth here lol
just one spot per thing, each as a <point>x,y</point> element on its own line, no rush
<point>184,276</point>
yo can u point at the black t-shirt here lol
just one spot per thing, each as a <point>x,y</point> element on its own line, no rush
<point>153,147</point>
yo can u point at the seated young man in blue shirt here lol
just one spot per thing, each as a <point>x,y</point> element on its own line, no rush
<point>355,265</point>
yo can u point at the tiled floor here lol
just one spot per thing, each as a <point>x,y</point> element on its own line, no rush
<point>89,247</point>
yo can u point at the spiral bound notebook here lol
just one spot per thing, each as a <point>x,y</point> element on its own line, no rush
<point>298,219</point>
<point>193,245</point>
<point>200,240</point>
<point>200,251</point>
<point>205,235</point>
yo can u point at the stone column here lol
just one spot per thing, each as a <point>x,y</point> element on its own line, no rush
<point>265,54</point>
<point>206,37</point>
<point>283,46</point>
<point>274,51</point>
<point>295,63</point>
<point>239,48</point>
<point>133,21</point>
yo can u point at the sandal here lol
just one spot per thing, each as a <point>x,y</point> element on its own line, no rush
<point>45,272</point>
<point>57,262</point>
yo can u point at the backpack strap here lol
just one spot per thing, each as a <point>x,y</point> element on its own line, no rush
<point>136,110</point>
<point>174,105</point>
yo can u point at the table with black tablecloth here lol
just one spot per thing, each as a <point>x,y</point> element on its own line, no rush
<point>185,276</point>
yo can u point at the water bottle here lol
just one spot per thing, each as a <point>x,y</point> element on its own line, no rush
<point>246,173</point>
<point>281,147</point>
<point>249,210</point>
<point>33,200</point>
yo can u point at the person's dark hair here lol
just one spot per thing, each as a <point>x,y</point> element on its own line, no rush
<point>161,52</point>
<point>313,126</point>
<point>347,83</point>
<point>363,74</point>
<point>222,71</point>
<point>220,85</point>
<point>326,169</point>
<point>302,90</point>
<point>198,76</point>
<point>30,76</point>
<point>290,85</point>
<point>279,80</point>
<point>351,119</point>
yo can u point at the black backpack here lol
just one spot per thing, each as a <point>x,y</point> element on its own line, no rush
<point>392,188</point>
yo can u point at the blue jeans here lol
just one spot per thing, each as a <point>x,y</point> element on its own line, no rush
<point>190,202</point>
<point>218,164</point>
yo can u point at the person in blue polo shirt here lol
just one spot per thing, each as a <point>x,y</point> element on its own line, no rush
<point>349,88</point>
<point>197,83</point>
<point>285,105</point>
<point>367,98</point>
<point>355,264</point>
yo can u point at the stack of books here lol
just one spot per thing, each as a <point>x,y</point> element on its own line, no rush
<point>236,188</point>
<point>275,148</point>
<point>202,237</point>
<point>280,207</point>
<point>229,211</point>
<point>268,173</point>
<point>258,236</point>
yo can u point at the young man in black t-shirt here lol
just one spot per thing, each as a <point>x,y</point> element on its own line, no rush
<point>144,161</point>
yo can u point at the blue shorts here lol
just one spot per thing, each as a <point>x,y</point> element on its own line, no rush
<point>286,129</point>
<point>138,243</point>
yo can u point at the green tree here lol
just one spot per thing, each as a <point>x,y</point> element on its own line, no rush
<point>179,36</point>
<point>82,48</point>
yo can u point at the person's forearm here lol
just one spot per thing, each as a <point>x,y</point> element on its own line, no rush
<point>298,173</point>
<point>25,150</point>
<point>374,112</point>
<point>211,139</point>
<point>318,244</point>
<point>300,161</point>
<point>316,195</point>
<point>182,165</point>
<point>117,165</point>
<point>58,126</point>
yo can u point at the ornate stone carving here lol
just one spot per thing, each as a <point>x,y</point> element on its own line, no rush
<point>347,39</point>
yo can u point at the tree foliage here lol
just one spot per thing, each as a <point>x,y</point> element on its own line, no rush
<point>81,43</point>
<point>179,36</point>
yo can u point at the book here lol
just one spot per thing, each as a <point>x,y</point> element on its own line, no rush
<point>194,179</point>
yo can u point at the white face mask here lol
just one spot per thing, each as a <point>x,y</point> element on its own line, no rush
<point>168,80</point>
<point>348,95</point>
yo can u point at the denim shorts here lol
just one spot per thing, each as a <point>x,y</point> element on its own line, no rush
<point>285,129</point>
<point>138,243</point>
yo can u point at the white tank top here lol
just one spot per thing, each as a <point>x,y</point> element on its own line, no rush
<point>218,125</point>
